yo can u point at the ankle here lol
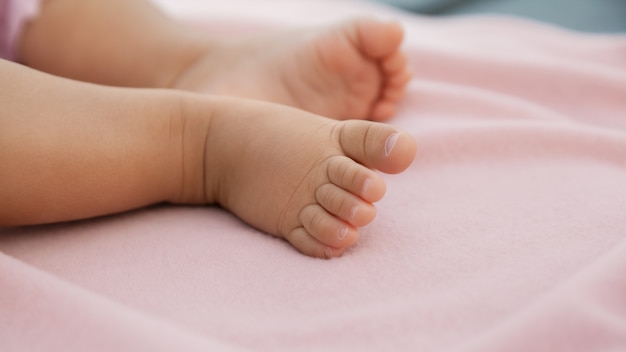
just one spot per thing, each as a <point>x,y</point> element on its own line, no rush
<point>191,127</point>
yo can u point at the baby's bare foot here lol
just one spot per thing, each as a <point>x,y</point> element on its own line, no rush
<point>297,175</point>
<point>353,70</point>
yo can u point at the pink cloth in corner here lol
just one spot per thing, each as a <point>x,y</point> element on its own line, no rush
<point>13,15</point>
<point>508,233</point>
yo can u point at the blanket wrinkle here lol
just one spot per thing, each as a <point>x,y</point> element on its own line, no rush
<point>506,234</point>
<point>586,323</point>
<point>437,98</point>
<point>74,315</point>
<point>598,86</point>
<point>521,141</point>
<point>25,303</point>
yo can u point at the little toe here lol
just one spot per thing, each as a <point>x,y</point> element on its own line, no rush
<point>377,145</point>
<point>383,110</point>
<point>326,228</point>
<point>345,205</point>
<point>395,63</point>
<point>377,39</point>
<point>400,79</point>
<point>394,94</point>
<point>302,240</point>
<point>398,75</point>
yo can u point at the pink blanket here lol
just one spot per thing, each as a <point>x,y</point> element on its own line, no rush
<point>508,233</point>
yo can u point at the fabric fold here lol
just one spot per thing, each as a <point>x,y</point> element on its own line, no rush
<point>40,312</point>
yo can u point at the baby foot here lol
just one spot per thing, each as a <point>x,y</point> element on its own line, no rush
<point>300,176</point>
<point>353,70</point>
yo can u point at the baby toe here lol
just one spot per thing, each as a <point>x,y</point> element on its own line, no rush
<point>302,240</point>
<point>326,228</point>
<point>377,145</point>
<point>345,205</point>
<point>356,178</point>
<point>383,110</point>
<point>394,94</point>
<point>395,63</point>
<point>399,79</point>
<point>375,38</point>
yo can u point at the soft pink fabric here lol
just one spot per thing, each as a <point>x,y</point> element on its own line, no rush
<point>508,233</point>
<point>13,15</point>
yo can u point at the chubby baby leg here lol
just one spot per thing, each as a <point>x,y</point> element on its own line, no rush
<point>72,150</point>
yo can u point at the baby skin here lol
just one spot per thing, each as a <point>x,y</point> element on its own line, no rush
<point>351,70</point>
<point>293,174</point>
<point>73,150</point>
<point>85,150</point>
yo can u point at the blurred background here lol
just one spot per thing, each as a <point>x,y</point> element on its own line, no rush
<point>598,16</point>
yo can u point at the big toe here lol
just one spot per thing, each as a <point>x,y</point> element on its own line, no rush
<point>377,39</point>
<point>378,146</point>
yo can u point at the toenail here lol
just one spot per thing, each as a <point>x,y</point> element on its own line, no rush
<point>390,143</point>
<point>342,232</point>
<point>353,211</point>
<point>366,185</point>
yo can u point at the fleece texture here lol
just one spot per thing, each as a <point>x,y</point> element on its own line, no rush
<point>508,233</point>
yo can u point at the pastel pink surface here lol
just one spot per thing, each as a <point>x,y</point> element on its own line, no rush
<point>13,16</point>
<point>508,233</point>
